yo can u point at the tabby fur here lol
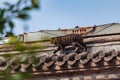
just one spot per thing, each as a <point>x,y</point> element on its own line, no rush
<point>62,41</point>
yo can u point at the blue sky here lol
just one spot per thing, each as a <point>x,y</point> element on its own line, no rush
<point>63,14</point>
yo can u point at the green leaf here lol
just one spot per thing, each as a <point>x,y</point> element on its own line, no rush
<point>1,28</point>
<point>27,8</point>
<point>21,76</point>
<point>17,77</point>
<point>11,7</point>
<point>2,12</point>
<point>10,33</point>
<point>7,55</point>
<point>23,16</point>
<point>35,3</point>
<point>20,48</point>
<point>11,24</point>
<point>2,20</point>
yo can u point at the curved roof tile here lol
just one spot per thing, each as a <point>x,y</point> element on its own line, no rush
<point>64,62</point>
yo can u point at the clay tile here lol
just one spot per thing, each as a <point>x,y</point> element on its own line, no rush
<point>83,55</point>
<point>2,63</point>
<point>72,60</point>
<point>108,53</point>
<point>118,56</point>
<point>60,60</point>
<point>108,56</point>
<point>31,59</point>
<point>48,62</point>
<point>101,54</point>
<point>77,57</point>
<point>24,65</point>
<point>3,68</point>
<point>17,68</point>
<point>10,61</point>
<point>84,61</point>
<point>22,69</point>
<point>54,58</point>
<point>97,57</point>
<point>96,54</point>
<point>48,59</point>
<point>29,68</point>
<point>65,58</point>
<point>118,53</point>
<point>13,64</point>
<point>71,57</point>
<point>38,67</point>
<point>90,56</point>
<point>37,62</point>
<point>96,60</point>
<point>114,53</point>
<point>42,59</point>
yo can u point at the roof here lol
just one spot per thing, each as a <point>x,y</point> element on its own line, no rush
<point>103,54</point>
<point>110,28</point>
<point>59,63</point>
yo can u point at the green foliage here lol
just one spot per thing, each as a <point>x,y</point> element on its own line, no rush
<point>8,14</point>
<point>23,16</point>
<point>16,76</point>
<point>19,10</point>
<point>21,76</point>
<point>25,52</point>
<point>11,24</point>
<point>35,3</point>
<point>7,55</point>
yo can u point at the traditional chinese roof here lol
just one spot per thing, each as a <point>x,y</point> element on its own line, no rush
<point>57,63</point>
<point>103,55</point>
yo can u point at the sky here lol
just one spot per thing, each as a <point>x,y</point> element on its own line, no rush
<point>63,14</point>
